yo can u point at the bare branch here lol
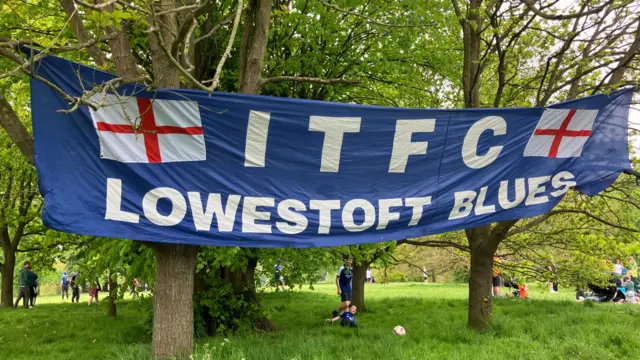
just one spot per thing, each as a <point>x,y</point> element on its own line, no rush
<point>79,31</point>
<point>227,51</point>
<point>214,29</point>
<point>94,6</point>
<point>530,4</point>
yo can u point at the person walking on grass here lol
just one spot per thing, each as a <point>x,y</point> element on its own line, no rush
<point>343,283</point>
<point>75,288</point>
<point>278,278</point>
<point>94,290</point>
<point>64,283</point>
<point>32,281</point>
<point>24,291</point>
<point>425,275</point>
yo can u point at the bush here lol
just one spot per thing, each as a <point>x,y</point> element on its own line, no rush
<point>397,277</point>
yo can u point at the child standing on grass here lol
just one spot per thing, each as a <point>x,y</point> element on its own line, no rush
<point>93,292</point>
<point>347,318</point>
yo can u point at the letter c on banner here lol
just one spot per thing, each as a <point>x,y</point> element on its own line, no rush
<point>470,145</point>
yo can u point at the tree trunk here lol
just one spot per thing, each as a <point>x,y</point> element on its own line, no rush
<point>111,308</point>
<point>357,283</point>
<point>482,248</point>
<point>173,300</point>
<point>433,275</point>
<point>16,130</point>
<point>7,277</point>
<point>253,46</point>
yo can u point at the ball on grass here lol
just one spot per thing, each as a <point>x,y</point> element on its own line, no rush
<point>399,330</point>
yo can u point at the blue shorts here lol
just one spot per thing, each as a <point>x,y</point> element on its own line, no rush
<point>345,296</point>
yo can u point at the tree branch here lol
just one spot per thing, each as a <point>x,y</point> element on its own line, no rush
<point>308,80</point>
<point>79,31</point>
<point>530,4</point>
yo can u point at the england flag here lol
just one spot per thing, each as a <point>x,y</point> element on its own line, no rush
<point>561,133</point>
<point>141,130</point>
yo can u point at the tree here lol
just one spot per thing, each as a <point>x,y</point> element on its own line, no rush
<point>496,31</point>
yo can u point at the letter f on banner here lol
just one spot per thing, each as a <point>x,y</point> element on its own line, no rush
<point>402,145</point>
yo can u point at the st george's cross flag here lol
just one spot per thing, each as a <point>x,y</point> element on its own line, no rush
<point>561,133</point>
<point>142,130</point>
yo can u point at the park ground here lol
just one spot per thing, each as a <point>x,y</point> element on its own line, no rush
<point>548,326</point>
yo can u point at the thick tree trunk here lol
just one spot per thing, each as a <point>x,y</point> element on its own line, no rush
<point>255,35</point>
<point>357,284</point>
<point>16,130</point>
<point>482,248</point>
<point>7,277</point>
<point>433,275</point>
<point>173,300</point>
<point>111,308</point>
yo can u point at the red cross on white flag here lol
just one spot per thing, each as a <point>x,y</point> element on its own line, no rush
<point>561,133</point>
<point>140,130</point>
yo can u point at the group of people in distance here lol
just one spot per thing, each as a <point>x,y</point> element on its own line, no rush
<point>28,286</point>
<point>521,290</point>
<point>72,282</point>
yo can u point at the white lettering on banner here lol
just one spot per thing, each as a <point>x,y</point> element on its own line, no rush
<point>178,206</point>
<point>225,217</point>
<point>463,204</point>
<point>292,216</point>
<point>324,217</point>
<point>559,181</point>
<point>114,204</point>
<point>536,188</point>
<point>385,214</point>
<point>250,214</point>
<point>470,144</point>
<point>467,201</point>
<point>284,211</point>
<point>257,133</point>
<point>347,215</point>
<point>503,194</point>
<point>481,209</point>
<point>333,129</point>
<point>417,204</point>
<point>402,144</point>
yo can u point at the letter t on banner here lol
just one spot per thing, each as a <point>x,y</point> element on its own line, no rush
<point>333,129</point>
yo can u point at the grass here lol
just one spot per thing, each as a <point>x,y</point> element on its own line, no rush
<point>550,326</point>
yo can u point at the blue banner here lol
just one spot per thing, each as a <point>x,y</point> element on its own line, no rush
<point>181,166</point>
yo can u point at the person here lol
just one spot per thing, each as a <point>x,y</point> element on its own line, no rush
<point>630,288</point>
<point>94,291</point>
<point>523,289</point>
<point>425,275</point>
<point>64,281</point>
<point>618,268</point>
<point>278,278</point>
<point>347,318</point>
<point>32,281</point>
<point>343,283</point>
<point>369,275</point>
<point>134,289</point>
<point>24,291</point>
<point>633,267</point>
<point>497,277</point>
<point>75,288</point>
<point>554,279</point>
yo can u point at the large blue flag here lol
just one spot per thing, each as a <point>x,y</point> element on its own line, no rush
<point>182,166</point>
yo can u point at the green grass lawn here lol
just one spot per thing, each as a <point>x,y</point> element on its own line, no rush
<point>550,326</point>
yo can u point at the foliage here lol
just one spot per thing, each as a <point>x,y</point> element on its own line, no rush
<point>227,309</point>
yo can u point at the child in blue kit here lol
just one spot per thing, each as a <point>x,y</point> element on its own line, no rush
<point>347,318</point>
